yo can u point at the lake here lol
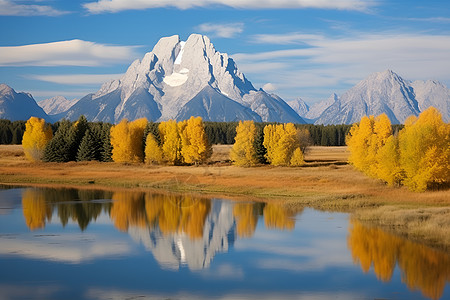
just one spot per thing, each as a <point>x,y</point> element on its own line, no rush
<point>90,244</point>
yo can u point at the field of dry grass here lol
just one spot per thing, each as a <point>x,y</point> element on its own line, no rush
<point>325,182</point>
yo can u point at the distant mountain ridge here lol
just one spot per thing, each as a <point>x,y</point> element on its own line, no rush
<point>19,106</point>
<point>382,92</point>
<point>56,105</point>
<point>182,79</point>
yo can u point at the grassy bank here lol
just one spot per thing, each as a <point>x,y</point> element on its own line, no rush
<point>325,182</point>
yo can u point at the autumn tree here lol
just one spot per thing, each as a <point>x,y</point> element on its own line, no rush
<point>153,151</point>
<point>127,141</point>
<point>424,146</point>
<point>358,142</point>
<point>282,142</point>
<point>36,137</point>
<point>243,152</point>
<point>171,142</point>
<point>195,147</point>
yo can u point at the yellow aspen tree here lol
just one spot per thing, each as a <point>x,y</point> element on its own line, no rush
<point>195,147</point>
<point>388,162</point>
<point>153,151</point>
<point>127,141</point>
<point>137,129</point>
<point>358,142</point>
<point>243,152</point>
<point>36,136</point>
<point>425,150</point>
<point>171,141</point>
<point>382,130</point>
<point>282,142</point>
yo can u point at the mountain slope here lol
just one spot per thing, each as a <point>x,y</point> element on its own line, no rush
<point>160,86</point>
<point>19,106</point>
<point>56,105</point>
<point>383,92</point>
<point>433,93</point>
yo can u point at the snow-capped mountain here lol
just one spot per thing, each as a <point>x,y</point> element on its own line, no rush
<point>19,106</point>
<point>383,92</point>
<point>56,105</point>
<point>180,79</point>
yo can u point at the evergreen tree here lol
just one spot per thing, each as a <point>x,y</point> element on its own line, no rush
<point>261,151</point>
<point>91,144</point>
<point>106,149</point>
<point>57,150</point>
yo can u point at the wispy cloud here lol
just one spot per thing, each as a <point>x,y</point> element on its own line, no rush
<point>326,62</point>
<point>285,39</point>
<point>77,79</point>
<point>65,53</point>
<point>221,30</point>
<point>112,6</point>
<point>10,8</point>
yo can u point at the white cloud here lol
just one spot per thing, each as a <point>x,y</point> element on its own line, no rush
<point>285,39</point>
<point>77,79</point>
<point>65,53</point>
<point>269,87</point>
<point>9,8</point>
<point>112,6</point>
<point>221,30</point>
<point>334,64</point>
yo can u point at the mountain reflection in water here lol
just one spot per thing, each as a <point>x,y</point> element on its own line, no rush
<point>189,230</point>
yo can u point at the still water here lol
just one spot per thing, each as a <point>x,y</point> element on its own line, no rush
<point>83,244</point>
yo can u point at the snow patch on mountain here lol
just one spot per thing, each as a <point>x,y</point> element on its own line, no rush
<point>56,105</point>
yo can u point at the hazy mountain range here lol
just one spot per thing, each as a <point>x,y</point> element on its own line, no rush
<point>179,79</point>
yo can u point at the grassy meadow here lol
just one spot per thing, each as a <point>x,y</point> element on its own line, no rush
<point>325,182</point>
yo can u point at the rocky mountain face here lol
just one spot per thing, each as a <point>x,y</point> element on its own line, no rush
<point>19,106</point>
<point>385,92</point>
<point>182,79</point>
<point>56,105</point>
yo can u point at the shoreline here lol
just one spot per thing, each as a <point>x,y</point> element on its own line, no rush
<point>326,182</point>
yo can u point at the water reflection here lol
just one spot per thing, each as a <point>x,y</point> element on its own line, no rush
<point>422,268</point>
<point>190,231</point>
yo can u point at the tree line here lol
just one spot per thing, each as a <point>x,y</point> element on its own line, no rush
<point>217,132</point>
<point>417,156</point>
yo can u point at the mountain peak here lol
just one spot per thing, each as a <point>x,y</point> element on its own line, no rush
<point>175,72</point>
<point>5,89</point>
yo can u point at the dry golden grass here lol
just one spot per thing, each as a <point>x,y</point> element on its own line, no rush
<point>324,182</point>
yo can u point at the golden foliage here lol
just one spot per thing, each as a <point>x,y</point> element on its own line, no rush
<point>276,216</point>
<point>422,268</point>
<point>419,157</point>
<point>195,147</point>
<point>36,136</point>
<point>243,152</point>
<point>35,209</point>
<point>153,152</point>
<point>127,141</point>
<point>246,219</point>
<point>282,142</point>
<point>171,141</point>
<point>425,150</point>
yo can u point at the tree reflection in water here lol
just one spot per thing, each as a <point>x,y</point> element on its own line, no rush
<point>422,268</point>
<point>186,224</point>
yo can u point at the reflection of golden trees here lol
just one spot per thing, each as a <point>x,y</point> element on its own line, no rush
<point>35,209</point>
<point>128,210</point>
<point>246,219</point>
<point>171,213</point>
<point>276,216</point>
<point>422,268</point>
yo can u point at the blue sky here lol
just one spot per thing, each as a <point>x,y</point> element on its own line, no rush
<point>294,48</point>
